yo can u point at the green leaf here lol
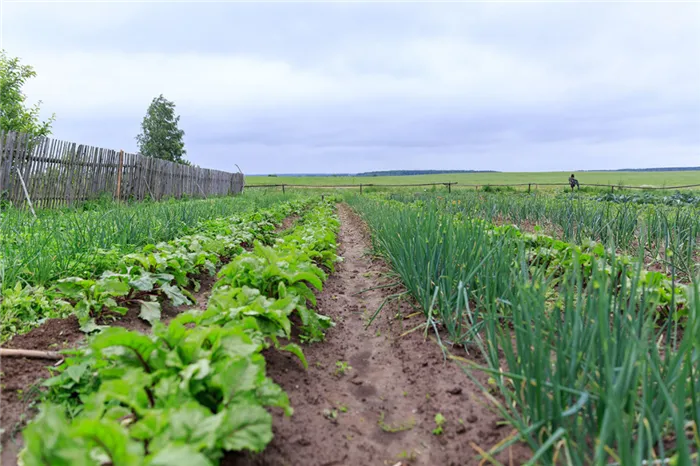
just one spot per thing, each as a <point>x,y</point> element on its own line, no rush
<point>234,377</point>
<point>196,371</point>
<point>271,394</point>
<point>178,455</point>
<point>130,390</point>
<point>119,310</point>
<point>74,287</point>
<point>145,282</point>
<point>150,311</point>
<point>309,277</point>
<point>175,295</point>
<point>191,424</point>
<point>176,330</point>
<point>248,428</point>
<point>138,344</point>
<point>297,351</point>
<point>76,372</point>
<point>47,441</point>
<point>111,438</point>
<point>90,326</point>
<point>114,286</point>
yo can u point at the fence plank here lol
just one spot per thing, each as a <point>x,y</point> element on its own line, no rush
<point>59,173</point>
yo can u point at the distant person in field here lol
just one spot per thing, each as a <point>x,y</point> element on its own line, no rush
<point>573,182</point>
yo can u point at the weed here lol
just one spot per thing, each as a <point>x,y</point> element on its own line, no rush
<point>439,422</point>
<point>408,455</point>
<point>331,415</point>
<point>341,368</point>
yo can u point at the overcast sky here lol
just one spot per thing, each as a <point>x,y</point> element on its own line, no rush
<point>308,87</point>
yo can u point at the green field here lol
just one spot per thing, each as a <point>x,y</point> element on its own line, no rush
<point>660,179</point>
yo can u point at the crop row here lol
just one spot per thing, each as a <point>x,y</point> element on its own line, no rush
<point>669,236</point>
<point>470,246</point>
<point>85,242</point>
<point>570,335</point>
<point>196,387</point>
<point>676,199</point>
<point>163,270</point>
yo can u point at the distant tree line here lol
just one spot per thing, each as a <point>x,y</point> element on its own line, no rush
<point>421,172</point>
<point>660,169</point>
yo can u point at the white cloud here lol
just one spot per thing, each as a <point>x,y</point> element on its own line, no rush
<point>484,59</point>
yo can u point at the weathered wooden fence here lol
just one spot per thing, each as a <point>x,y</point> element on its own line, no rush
<point>56,173</point>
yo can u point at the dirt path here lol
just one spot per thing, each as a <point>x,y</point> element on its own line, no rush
<point>404,381</point>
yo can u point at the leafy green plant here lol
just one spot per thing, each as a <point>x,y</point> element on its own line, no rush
<point>591,358</point>
<point>439,422</point>
<point>23,307</point>
<point>183,395</point>
<point>90,297</point>
<point>203,386</point>
<point>342,368</point>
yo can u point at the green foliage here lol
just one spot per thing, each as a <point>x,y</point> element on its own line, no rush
<point>594,359</point>
<point>164,270</point>
<point>203,387</point>
<point>676,199</point>
<point>72,242</point>
<point>160,136</point>
<point>342,368</point>
<point>91,296</point>
<point>14,114</point>
<point>23,304</point>
<point>287,270</point>
<point>194,388</point>
<point>439,423</point>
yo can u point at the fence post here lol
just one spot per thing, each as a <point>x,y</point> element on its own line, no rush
<point>449,187</point>
<point>528,188</point>
<point>360,188</point>
<point>282,189</point>
<point>119,174</point>
<point>612,188</point>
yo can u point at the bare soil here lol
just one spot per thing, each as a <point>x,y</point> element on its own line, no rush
<point>287,223</point>
<point>382,410</point>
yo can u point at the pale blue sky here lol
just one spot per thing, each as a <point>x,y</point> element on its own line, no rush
<point>351,87</point>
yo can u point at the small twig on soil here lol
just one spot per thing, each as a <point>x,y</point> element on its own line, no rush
<point>412,330</point>
<point>35,354</point>
<point>485,455</point>
<point>386,300</point>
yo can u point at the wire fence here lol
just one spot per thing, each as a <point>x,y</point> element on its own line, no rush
<point>450,184</point>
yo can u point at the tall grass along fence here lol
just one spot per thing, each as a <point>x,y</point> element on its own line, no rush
<point>50,173</point>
